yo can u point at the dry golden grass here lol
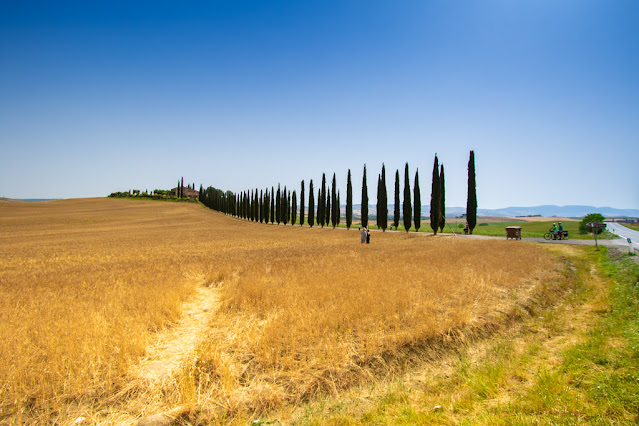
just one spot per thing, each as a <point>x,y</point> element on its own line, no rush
<point>86,284</point>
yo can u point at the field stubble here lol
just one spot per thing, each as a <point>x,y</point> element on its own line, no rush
<point>86,285</point>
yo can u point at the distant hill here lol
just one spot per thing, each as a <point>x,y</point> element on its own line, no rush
<point>26,200</point>
<point>547,211</point>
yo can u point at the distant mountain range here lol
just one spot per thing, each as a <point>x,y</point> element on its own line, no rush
<point>547,211</point>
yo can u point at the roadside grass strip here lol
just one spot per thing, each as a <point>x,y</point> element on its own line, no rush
<point>571,357</point>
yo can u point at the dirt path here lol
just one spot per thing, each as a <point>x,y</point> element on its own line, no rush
<point>143,399</point>
<point>174,346</point>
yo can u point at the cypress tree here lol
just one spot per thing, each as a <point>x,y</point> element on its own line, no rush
<point>384,195</point>
<point>288,206</point>
<point>349,201</point>
<point>435,199</point>
<point>272,205</point>
<point>327,212</point>
<point>177,189</point>
<point>334,201</point>
<point>407,206</point>
<point>294,209</point>
<point>321,202</point>
<point>302,204</point>
<point>442,200</point>
<point>471,203</point>
<point>311,205</point>
<point>251,205</point>
<point>265,205</point>
<point>182,188</point>
<point>364,200</point>
<point>261,208</point>
<point>396,206</point>
<point>378,217</point>
<point>278,205</point>
<point>257,205</point>
<point>247,206</point>
<point>418,203</point>
<point>285,206</point>
<point>339,210</point>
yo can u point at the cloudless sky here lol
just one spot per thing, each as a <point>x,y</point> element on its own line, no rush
<point>103,96</point>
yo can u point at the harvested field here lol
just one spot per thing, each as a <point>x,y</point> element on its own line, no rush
<point>87,286</point>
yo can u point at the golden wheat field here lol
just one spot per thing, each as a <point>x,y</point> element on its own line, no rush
<point>112,310</point>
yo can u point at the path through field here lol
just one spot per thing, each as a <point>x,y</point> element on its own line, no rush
<point>175,345</point>
<point>170,350</point>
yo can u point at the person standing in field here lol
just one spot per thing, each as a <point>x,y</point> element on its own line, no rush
<point>363,234</point>
<point>561,231</point>
<point>368,236</point>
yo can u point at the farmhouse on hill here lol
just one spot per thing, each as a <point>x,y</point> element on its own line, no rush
<point>187,191</point>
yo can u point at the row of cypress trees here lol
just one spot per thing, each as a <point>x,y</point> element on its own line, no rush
<point>281,206</point>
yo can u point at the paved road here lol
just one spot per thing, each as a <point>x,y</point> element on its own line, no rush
<point>617,242</point>
<point>624,233</point>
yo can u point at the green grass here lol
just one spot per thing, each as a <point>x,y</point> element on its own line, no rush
<point>634,226</point>
<point>531,230</point>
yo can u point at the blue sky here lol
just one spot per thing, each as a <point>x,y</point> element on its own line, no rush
<point>97,97</point>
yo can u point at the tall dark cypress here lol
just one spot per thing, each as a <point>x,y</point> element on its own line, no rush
<point>182,188</point>
<point>278,205</point>
<point>407,203</point>
<point>256,208</point>
<point>261,209</point>
<point>265,206</point>
<point>294,209</point>
<point>471,203</point>
<point>384,205</point>
<point>250,206</point>
<point>177,189</point>
<point>255,202</point>
<point>327,211</point>
<point>339,210</point>
<point>302,204</point>
<point>335,208</point>
<point>364,200</point>
<point>321,203</point>
<point>257,205</point>
<point>272,205</point>
<point>442,200</point>
<point>349,201</point>
<point>417,199</point>
<point>378,217</point>
<point>311,205</point>
<point>287,199</point>
<point>435,201</point>
<point>396,207</point>
<point>285,206</point>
